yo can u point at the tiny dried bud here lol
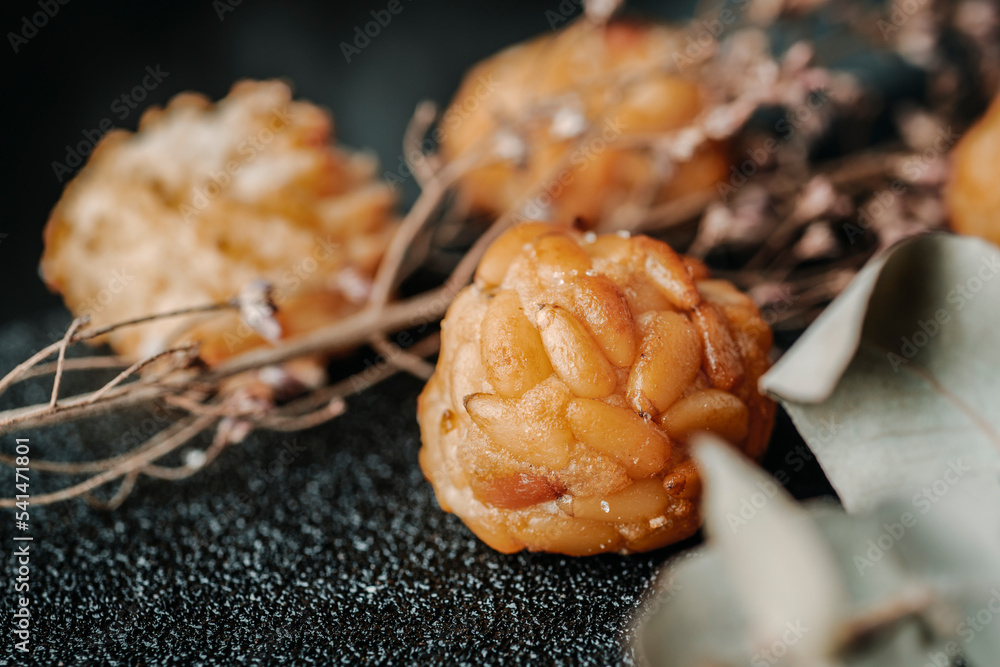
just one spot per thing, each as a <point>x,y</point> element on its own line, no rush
<point>919,128</point>
<point>682,145</point>
<point>234,431</point>
<point>977,18</point>
<point>797,57</point>
<point>766,294</point>
<point>194,458</point>
<point>818,241</point>
<point>354,285</point>
<point>725,120</point>
<point>599,11</point>
<point>510,146</point>
<point>257,309</point>
<point>567,122</point>
<point>818,197</point>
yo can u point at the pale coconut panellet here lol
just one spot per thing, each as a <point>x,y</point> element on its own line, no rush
<point>204,200</point>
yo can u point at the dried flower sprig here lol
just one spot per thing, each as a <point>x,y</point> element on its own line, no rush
<point>792,227</point>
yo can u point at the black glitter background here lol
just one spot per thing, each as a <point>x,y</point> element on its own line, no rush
<point>322,547</point>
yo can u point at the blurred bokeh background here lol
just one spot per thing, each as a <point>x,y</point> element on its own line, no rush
<point>64,81</point>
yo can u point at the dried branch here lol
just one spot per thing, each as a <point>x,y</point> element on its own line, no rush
<point>78,364</point>
<point>780,222</point>
<point>136,367</point>
<point>424,168</point>
<point>70,332</point>
<point>163,443</point>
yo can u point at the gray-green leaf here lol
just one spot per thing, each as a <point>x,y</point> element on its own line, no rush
<point>897,385</point>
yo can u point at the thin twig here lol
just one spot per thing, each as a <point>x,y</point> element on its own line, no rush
<point>174,473</point>
<point>57,380</point>
<point>195,407</point>
<point>139,365</point>
<point>90,334</point>
<point>359,381</point>
<point>165,442</point>
<point>348,332</point>
<point>415,220</point>
<point>421,121</point>
<point>333,409</point>
<point>75,364</point>
<point>402,359</point>
<point>870,620</point>
<point>124,489</point>
<point>18,371</point>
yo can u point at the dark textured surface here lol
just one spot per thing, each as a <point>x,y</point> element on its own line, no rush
<point>324,547</point>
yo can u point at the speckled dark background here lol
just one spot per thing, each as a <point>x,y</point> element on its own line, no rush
<point>323,547</point>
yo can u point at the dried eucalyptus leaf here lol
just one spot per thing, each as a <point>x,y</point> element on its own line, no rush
<point>957,537</point>
<point>788,585</point>
<point>905,644</point>
<point>895,386</point>
<point>695,621</point>
<point>978,641</point>
<point>873,576</point>
<point>956,549</point>
<point>781,567</point>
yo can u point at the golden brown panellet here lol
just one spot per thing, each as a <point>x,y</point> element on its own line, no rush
<point>571,375</point>
<point>573,101</point>
<point>973,196</point>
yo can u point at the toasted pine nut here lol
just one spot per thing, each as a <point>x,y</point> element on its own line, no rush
<point>722,356</point>
<point>636,443</point>
<point>667,271</point>
<point>600,305</point>
<point>711,410</point>
<point>515,491</point>
<point>668,361</point>
<point>641,501</point>
<point>513,355</point>
<point>684,481</point>
<point>498,257</point>
<point>558,257</point>
<point>574,354</point>
<point>563,534</point>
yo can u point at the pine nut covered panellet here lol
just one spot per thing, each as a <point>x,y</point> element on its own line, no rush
<point>571,375</point>
<point>204,200</point>
<point>973,196</point>
<point>566,114</point>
